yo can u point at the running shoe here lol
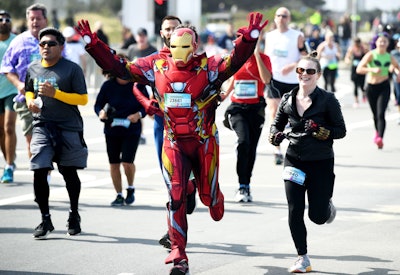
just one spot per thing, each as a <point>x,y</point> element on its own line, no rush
<point>243,195</point>
<point>379,142</point>
<point>119,201</point>
<point>302,265</point>
<point>74,224</point>
<point>332,209</point>
<point>130,197</point>
<point>165,241</point>
<point>8,176</point>
<point>278,159</point>
<point>43,229</point>
<point>182,268</point>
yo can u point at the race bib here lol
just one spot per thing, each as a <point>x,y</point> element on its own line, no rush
<point>280,53</point>
<point>123,122</point>
<point>175,100</point>
<point>245,89</point>
<point>293,174</point>
<point>355,62</point>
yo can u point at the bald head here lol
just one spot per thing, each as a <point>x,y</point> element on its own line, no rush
<point>282,18</point>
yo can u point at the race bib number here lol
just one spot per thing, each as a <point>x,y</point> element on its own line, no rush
<point>174,100</point>
<point>123,122</point>
<point>245,89</point>
<point>293,174</point>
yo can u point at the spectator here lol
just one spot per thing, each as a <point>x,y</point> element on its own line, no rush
<point>316,119</point>
<point>98,29</point>
<point>211,47</point>
<point>226,41</point>
<point>23,50</point>
<point>54,19</point>
<point>314,40</point>
<point>284,46</point>
<point>142,47</point>
<point>127,38</point>
<point>344,34</point>
<point>120,111</point>
<point>54,88</point>
<point>8,137</point>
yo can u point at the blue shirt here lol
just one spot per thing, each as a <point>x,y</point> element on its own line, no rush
<point>6,87</point>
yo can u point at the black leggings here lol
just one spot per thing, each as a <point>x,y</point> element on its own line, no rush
<point>378,98</point>
<point>319,184</point>
<point>330,78</point>
<point>248,126</point>
<point>42,190</point>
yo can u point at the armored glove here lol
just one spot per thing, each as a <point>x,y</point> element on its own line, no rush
<point>316,130</point>
<point>276,138</point>
<point>149,105</point>
<point>83,28</point>
<point>252,32</point>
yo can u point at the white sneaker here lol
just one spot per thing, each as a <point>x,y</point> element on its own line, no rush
<point>302,265</point>
<point>333,212</point>
<point>243,195</point>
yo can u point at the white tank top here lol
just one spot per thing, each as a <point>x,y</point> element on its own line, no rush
<point>282,49</point>
<point>327,51</point>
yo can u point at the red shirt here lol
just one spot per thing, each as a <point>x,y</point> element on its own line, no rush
<point>249,87</point>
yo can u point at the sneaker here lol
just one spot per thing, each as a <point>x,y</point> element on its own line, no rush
<point>278,159</point>
<point>74,224</point>
<point>165,241</point>
<point>332,209</point>
<point>130,197</point>
<point>8,176</point>
<point>302,265</point>
<point>181,268</point>
<point>119,201</point>
<point>379,142</point>
<point>243,195</point>
<point>43,229</point>
<point>191,199</point>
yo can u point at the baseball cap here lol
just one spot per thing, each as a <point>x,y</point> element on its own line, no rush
<point>52,31</point>
<point>142,31</point>
<point>4,12</point>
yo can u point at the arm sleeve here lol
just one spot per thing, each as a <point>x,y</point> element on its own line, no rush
<point>71,98</point>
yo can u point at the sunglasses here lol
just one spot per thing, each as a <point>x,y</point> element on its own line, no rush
<point>308,71</point>
<point>5,20</point>
<point>48,43</point>
<point>282,15</point>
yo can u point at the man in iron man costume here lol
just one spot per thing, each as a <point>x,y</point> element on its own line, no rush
<point>187,87</point>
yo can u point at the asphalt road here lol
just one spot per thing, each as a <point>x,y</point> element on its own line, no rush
<point>252,238</point>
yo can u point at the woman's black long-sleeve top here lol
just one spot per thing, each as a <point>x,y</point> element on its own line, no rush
<point>324,110</point>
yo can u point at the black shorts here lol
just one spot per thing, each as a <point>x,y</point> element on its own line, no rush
<point>122,148</point>
<point>277,89</point>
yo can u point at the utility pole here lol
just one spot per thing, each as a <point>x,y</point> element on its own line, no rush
<point>355,17</point>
